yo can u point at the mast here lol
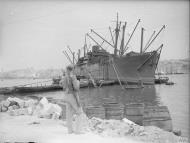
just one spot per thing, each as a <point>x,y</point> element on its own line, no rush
<point>116,36</point>
<point>125,49</point>
<point>122,40</point>
<point>78,54</point>
<point>73,57</point>
<point>85,46</point>
<point>142,34</point>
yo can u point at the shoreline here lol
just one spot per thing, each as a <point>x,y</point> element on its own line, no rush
<point>27,128</point>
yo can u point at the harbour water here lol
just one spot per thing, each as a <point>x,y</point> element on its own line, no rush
<point>175,97</point>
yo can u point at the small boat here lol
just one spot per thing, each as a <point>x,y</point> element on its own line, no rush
<point>169,83</point>
<point>161,80</point>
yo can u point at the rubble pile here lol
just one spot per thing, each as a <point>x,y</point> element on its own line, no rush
<point>43,109</point>
<point>127,128</point>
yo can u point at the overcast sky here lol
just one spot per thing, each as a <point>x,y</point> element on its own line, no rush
<point>34,34</point>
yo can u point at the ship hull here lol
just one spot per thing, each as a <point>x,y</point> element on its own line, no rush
<point>131,69</point>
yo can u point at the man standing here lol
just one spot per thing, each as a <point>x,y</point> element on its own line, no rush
<point>71,88</point>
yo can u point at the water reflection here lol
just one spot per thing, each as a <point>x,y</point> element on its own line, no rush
<point>98,96</point>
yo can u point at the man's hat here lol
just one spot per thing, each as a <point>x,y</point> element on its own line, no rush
<point>70,67</point>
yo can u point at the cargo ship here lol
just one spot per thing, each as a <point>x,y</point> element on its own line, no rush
<point>126,67</point>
